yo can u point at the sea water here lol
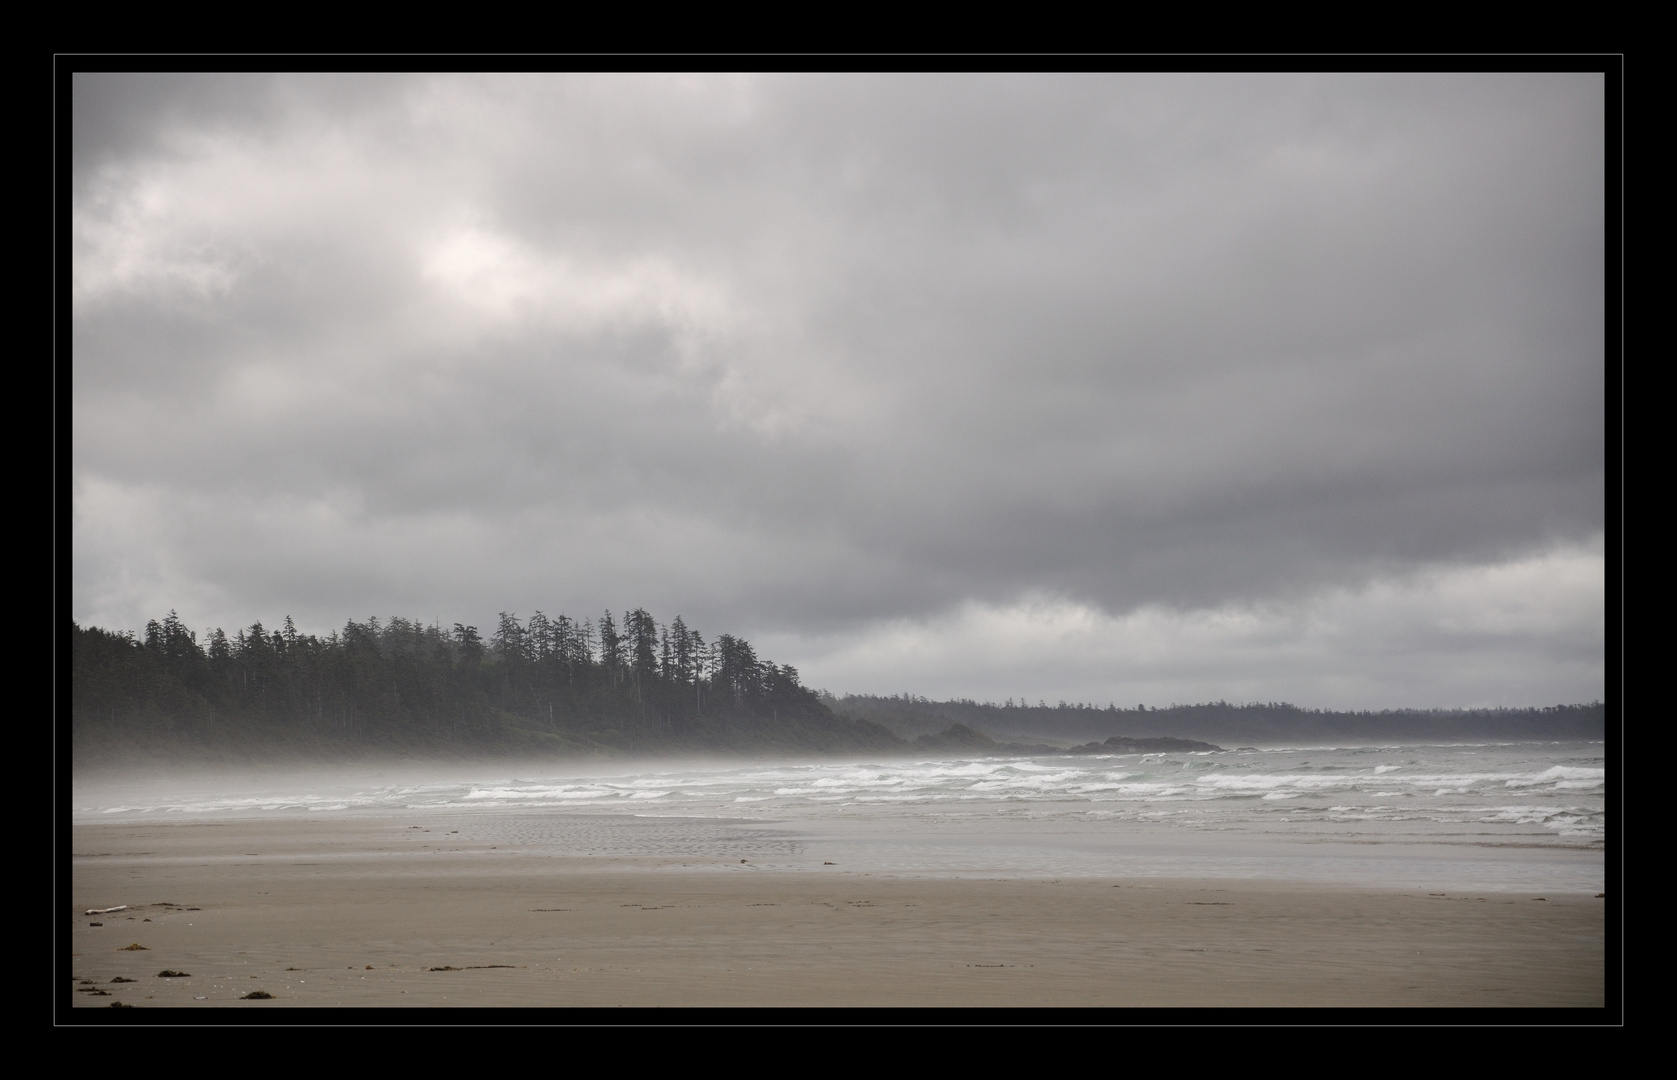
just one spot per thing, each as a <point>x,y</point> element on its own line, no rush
<point>1509,816</point>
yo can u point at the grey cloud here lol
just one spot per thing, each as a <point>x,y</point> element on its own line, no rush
<point>117,117</point>
<point>898,342</point>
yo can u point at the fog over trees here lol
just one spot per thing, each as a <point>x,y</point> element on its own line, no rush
<point>611,684</point>
<point>1267,722</point>
<point>545,683</point>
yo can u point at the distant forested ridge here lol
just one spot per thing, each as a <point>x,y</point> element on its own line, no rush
<point>1221,722</point>
<point>557,685</point>
<point>563,686</point>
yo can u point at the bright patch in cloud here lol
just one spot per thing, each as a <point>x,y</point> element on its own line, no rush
<point>1509,633</point>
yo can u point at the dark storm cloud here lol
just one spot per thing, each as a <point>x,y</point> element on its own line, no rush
<point>803,354</point>
<point>116,116</point>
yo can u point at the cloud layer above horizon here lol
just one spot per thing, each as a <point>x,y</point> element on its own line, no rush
<point>1129,387</point>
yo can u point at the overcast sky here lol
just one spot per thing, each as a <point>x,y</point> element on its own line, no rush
<point>1130,388</point>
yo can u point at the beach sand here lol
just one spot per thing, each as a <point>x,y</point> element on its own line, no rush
<point>362,912</point>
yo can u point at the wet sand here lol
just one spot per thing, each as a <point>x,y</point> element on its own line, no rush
<point>363,913</point>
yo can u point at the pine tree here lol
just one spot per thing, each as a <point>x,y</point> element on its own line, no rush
<point>611,648</point>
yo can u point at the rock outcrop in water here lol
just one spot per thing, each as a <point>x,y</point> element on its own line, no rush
<point>1120,744</point>
<point>961,737</point>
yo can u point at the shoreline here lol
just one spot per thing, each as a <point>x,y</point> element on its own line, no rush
<point>338,912</point>
<point>118,758</point>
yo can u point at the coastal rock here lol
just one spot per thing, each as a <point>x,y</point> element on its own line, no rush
<point>1123,744</point>
<point>962,737</point>
<point>957,736</point>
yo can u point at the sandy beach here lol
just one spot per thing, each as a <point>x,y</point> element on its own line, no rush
<point>385,912</point>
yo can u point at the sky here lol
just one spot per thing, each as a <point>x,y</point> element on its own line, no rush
<point>1130,388</point>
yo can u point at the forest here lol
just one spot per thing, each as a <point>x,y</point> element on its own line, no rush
<point>558,685</point>
<point>611,685</point>
<point>1226,723</point>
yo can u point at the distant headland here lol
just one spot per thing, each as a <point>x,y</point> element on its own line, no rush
<point>618,686</point>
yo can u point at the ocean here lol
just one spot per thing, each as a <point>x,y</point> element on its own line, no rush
<point>1491,817</point>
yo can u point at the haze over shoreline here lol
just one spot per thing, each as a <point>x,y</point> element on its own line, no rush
<point>559,687</point>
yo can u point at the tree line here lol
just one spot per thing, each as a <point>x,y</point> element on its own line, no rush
<point>628,683</point>
<point>629,680</point>
<point>910,715</point>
